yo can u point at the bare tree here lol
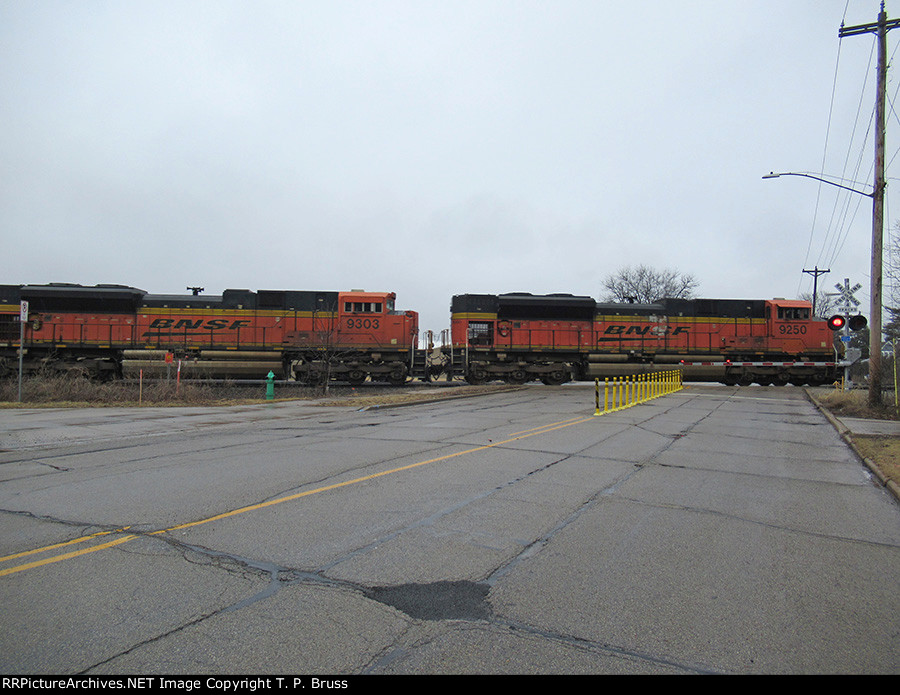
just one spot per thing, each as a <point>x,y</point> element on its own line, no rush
<point>893,265</point>
<point>892,328</point>
<point>644,285</point>
<point>826,304</point>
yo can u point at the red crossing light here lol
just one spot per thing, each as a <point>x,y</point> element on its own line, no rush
<point>837,322</point>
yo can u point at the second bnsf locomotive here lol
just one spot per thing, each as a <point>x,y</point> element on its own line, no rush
<point>520,337</point>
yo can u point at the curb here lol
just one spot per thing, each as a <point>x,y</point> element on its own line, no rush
<point>847,436</point>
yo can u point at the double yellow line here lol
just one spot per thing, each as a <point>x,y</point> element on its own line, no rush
<point>543,429</point>
<point>63,556</point>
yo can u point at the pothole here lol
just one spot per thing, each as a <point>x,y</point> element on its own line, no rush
<point>460,600</point>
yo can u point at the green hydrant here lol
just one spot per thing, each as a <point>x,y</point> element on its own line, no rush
<point>270,386</point>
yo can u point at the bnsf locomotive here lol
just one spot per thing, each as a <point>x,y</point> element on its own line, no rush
<point>519,337</point>
<point>113,330</point>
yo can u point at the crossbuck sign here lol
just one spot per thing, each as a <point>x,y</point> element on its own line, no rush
<point>845,292</point>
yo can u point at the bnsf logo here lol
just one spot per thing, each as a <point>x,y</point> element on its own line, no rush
<point>642,330</point>
<point>211,324</point>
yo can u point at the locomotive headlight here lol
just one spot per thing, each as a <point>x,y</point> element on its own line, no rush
<point>836,322</point>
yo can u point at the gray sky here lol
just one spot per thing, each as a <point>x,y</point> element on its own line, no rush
<point>434,148</point>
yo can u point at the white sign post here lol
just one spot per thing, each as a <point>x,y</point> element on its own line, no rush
<point>23,319</point>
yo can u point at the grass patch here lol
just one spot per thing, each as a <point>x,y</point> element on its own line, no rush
<point>883,451</point>
<point>74,390</point>
<point>855,404</point>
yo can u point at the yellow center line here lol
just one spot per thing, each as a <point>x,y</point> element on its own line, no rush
<point>551,425</point>
<point>81,539</point>
<point>64,556</point>
<point>262,505</point>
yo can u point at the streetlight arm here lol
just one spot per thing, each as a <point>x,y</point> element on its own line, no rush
<point>773,175</point>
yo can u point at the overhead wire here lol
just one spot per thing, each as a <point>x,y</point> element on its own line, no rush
<point>837,233</point>
<point>841,237</point>
<point>845,209</point>
<point>812,229</point>
<point>844,202</point>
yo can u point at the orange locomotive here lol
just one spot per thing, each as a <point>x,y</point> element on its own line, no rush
<point>108,330</point>
<point>519,337</point>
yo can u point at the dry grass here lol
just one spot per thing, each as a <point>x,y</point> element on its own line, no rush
<point>884,452</point>
<point>75,390</point>
<point>855,404</point>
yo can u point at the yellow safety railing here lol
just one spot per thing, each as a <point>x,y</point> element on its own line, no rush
<point>624,392</point>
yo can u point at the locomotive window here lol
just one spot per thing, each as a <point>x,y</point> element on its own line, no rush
<point>480,333</point>
<point>362,307</point>
<point>786,313</point>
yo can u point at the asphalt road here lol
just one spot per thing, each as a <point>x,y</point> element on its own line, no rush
<point>715,530</point>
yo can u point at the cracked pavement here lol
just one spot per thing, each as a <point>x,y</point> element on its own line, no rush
<point>715,530</point>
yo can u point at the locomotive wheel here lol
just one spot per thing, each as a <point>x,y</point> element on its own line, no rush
<point>356,376</point>
<point>517,376</point>
<point>555,378</point>
<point>476,376</point>
<point>397,376</point>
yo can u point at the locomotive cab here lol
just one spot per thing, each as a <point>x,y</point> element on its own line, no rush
<point>369,318</point>
<point>365,303</point>
<point>793,330</point>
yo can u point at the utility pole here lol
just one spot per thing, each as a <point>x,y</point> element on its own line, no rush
<point>815,273</point>
<point>880,29</point>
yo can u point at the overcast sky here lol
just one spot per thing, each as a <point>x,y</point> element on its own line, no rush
<point>434,148</point>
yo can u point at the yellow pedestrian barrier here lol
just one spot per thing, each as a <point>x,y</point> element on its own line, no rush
<point>625,392</point>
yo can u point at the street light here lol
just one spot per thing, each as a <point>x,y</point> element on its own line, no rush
<point>773,175</point>
<point>877,196</point>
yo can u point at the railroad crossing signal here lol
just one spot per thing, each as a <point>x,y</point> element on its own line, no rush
<point>846,293</point>
<point>855,323</point>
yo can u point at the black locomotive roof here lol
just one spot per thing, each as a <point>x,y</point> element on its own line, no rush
<point>71,297</point>
<point>279,300</point>
<point>629,309</point>
<point>10,294</point>
<point>563,307</point>
<point>522,305</point>
<point>107,298</point>
<point>726,308</point>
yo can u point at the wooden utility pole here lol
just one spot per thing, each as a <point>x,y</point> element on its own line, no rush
<point>815,273</point>
<point>880,29</point>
